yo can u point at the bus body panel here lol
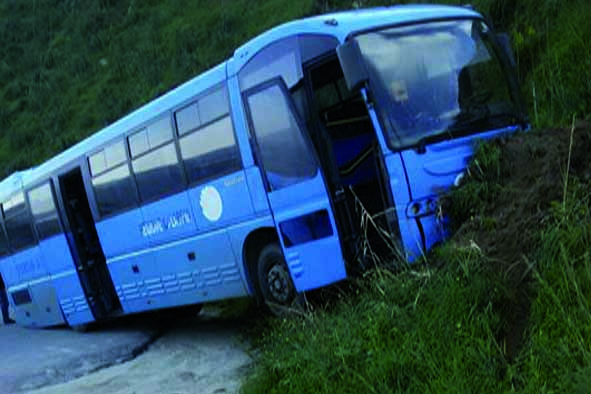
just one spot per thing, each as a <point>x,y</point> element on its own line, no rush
<point>238,235</point>
<point>434,172</point>
<point>65,281</point>
<point>45,297</point>
<point>167,219</point>
<point>190,271</point>
<point>303,214</point>
<point>8,271</point>
<point>26,311</point>
<point>72,299</point>
<point>418,179</point>
<point>257,192</point>
<point>221,202</point>
<point>56,254</point>
<point>120,237</point>
<point>128,271</point>
<point>28,266</point>
<point>122,234</point>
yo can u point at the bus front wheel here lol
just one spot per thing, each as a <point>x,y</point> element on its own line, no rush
<point>276,287</point>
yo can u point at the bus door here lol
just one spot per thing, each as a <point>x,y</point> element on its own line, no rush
<point>90,261</point>
<point>295,186</point>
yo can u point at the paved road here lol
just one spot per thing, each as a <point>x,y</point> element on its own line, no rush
<point>193,357</point>
<point>32,358</point>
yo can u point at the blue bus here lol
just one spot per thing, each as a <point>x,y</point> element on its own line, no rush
<point>248,179</point>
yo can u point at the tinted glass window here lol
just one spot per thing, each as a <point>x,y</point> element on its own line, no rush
<point>138,143</point>
<point>213,106</point>
<point>151,137</point>
<point>43,210</point>
<point>115,154</point>
<point>210,151</point>
<point>278,59</point>
<point>18,227</point>
<point>18,222</point>
<point>14,205</point>
<point>3,242</point>
<point>21,297</point>
<point>284,152</point>
<point>41,200</point>
<point>187,119</point>
<point>97,163</point>
<point>158,172</point>
<point>159,132</point>
<point>48,227</point>
<point>312,46</point>
<point>109,157</point>
<point>114,190</point>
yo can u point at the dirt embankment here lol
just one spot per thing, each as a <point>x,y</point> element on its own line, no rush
<point>527,181</point>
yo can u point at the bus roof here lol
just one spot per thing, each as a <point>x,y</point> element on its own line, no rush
<point>339,25</point>
<point>345,23</point>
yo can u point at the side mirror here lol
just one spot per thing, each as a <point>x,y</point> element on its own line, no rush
<point>352,64</point>
<point>505,42</point>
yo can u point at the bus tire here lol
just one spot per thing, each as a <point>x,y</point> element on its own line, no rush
<point>276,288</point>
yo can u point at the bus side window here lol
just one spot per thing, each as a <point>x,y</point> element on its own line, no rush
<point>43,211</point>
<point>18,223</point>
<point>4,248</point>
<point>111,179</point>
<point>285,155</point>
<point>154,160</point>
<point>206,137</point>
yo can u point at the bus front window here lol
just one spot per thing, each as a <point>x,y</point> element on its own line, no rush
<point>437,80</point>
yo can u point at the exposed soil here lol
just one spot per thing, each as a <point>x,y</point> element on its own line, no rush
<point>531,178</point>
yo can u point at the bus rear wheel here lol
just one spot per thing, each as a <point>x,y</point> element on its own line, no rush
<point>276,287</point>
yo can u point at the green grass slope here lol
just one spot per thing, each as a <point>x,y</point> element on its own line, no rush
<point>68,68</point>
<point>71,67</point>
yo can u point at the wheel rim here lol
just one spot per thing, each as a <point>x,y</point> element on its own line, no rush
<point>278,283</point>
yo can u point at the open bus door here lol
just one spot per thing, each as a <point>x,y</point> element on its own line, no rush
<point>295,185</point>
<point>90,261</point>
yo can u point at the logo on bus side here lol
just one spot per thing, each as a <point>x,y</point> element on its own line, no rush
<point>160,225</point>
<point>25,268</point>
<point>211,203</point>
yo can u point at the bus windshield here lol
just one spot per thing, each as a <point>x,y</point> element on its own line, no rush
<point>435,81</point>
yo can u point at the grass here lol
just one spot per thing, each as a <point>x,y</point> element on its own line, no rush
<point>558,356</point>
<point>467,322</point>
<point>416,332</point>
